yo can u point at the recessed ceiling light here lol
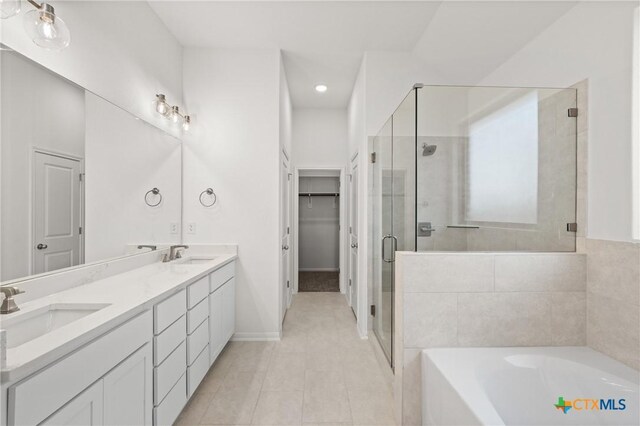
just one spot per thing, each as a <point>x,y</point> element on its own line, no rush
<point>321,88</point>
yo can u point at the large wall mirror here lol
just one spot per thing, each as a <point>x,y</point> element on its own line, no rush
<point>82,180</point>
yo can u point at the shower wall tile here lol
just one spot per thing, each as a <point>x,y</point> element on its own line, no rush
<point>613,269</point>
<point>613,328</point>
<point>449,273</point>
<point>504,319</point>
<point>613,299</point>
<point>540,272</point>
<point>412,388</point>
<point>431,320</point>
<point>581,184</point>
<point>568,318</point>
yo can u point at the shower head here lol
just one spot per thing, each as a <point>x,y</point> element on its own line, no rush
<point>428,150</point>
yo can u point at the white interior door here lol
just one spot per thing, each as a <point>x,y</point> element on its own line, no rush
<point>353,237</point>
<point>56,212</point>
<point>285,238</point>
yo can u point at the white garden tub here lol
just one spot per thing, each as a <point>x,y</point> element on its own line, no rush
<point>521,386</point>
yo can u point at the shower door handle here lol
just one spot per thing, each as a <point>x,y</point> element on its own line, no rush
<point>393,252</point>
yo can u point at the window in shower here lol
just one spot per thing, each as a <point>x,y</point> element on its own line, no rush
<point>502,164</point>
<point>495,169</point>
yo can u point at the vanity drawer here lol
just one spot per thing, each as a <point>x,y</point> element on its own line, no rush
<point>197,371</point>
<point>167,412</point>
<point>221,276</point>
<point>196,315</point>
<point>169,339</point>
<point>167,374</point>
<point>197,292</point>
<point>168,311</point>
<point>197,341</point>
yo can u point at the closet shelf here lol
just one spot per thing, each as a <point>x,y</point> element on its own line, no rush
<point>319,194</point>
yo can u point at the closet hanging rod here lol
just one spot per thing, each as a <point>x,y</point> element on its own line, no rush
<point>320,194</point>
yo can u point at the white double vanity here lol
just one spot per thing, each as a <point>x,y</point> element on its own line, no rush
<point>127,348</point>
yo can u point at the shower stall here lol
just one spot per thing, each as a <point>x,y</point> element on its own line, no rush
<point>470,169</point>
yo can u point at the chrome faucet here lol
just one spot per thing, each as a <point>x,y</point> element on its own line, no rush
<point>174,253</point>
<point>8,304</point>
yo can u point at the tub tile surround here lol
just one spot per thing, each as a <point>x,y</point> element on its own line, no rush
<point>482,299</point>
<point>613,299</point>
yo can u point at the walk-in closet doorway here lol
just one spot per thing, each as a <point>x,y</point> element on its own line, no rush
<point>319,220</point>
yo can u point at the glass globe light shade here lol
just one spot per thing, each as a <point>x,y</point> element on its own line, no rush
<point>46,29</point>
<point>9,8</point>
<point>175,114</point>
<point>162,106</point>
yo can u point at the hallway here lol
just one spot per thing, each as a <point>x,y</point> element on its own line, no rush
<point>320,372</point>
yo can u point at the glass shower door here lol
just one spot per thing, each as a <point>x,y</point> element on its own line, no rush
<point>393,215</point>
<point>381,167</point>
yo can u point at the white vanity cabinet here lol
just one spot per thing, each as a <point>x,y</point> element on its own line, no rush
<point>198,334</point>
<point>141,372</point>
<point>114,370</point>
<point>190,329</point>
<point>169,358</point>
<point>120,398</point>
<point>85,409</point>
<point>222,308</point>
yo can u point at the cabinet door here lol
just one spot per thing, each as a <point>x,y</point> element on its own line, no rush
<point>216,323</point>
<point>229,308</point>
<point>85,409</point>
<point>128,390</point>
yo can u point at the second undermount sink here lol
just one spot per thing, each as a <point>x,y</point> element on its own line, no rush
<point>27,326</point>
<point>195,260</point>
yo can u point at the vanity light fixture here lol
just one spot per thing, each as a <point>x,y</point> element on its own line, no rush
<point>321,88</point>
<point>45,28</point>
<point>171,112</point>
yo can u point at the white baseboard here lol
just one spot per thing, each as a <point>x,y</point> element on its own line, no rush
<point>255,337</point>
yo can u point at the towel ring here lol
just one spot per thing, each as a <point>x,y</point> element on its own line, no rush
<point>154,191</point>
<point>210,192</point>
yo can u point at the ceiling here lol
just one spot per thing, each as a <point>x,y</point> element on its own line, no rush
<point>324,41</point>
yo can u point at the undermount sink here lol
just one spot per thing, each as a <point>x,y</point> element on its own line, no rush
<point>28,326</point>
<point>195,260</point>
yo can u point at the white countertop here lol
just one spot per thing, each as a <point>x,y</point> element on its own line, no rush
<point>127,294</point>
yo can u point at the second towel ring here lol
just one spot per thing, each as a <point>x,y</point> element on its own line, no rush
<point>154,191</point>
<point>210,192</point>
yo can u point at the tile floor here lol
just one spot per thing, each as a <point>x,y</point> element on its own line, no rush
<point>320,373</point>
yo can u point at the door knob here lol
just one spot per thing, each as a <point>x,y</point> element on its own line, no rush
<point>285,247</point>
<point>41,246</point>
<point>354,245</point>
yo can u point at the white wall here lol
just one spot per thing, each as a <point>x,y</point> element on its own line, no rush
<point>119,50</point>
<point>593,41</point>
<point>125,158</point>
<point>28,122</point>
<point>320,137</point>
<point>234,148</point>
